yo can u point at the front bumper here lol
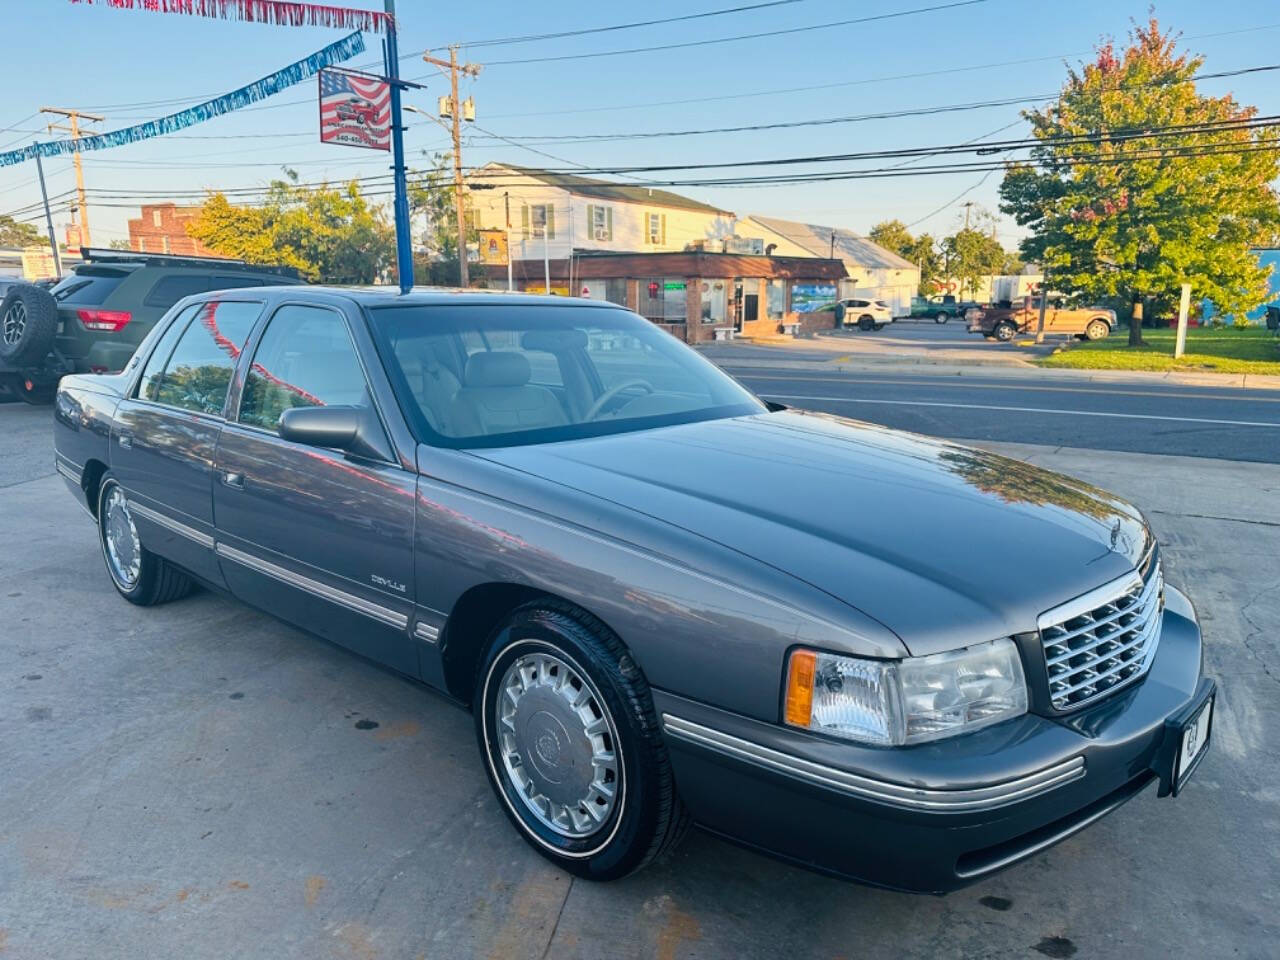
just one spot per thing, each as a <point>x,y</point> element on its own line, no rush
<point>941,815</point>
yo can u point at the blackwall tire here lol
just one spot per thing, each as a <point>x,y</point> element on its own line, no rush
<point>942,318</point>
<point>140,576</point>
<point>865,323</point>
<point>28,323</point>
<point>1004,331</point>
<point>552,766</point>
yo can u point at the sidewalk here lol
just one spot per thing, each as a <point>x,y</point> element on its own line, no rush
<point>846,357</point>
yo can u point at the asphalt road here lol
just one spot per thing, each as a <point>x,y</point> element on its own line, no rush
<point>1195,421</point>
<point>199,780</point>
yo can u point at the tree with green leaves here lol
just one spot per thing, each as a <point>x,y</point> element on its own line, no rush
<point>894,235</point>
<point>431,195</point>
<point>971,255</point>
<point>1121,207</point>
<point>15,234</point>
<point>330,234</point>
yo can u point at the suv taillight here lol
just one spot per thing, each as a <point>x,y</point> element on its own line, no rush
<point>110,321</point>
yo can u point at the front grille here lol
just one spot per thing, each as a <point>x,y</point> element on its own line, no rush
<point>1104,640</point>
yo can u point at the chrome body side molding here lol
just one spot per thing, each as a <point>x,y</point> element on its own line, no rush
<point>867,788</point>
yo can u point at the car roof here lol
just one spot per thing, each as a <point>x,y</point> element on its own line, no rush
<point>382,296</point>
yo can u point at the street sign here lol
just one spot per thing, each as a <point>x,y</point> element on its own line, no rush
<point>355,109</point>
<point>493,247</point>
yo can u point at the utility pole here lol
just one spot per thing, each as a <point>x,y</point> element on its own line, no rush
<point>73,128</point>
<point>455,112</point>
<point>48,217</point>
<point>968,205</point>
<point>506,200</point>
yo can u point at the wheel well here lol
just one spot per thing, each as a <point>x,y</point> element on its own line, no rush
<point>473,618</point>
<point>1101,319</point>
<point>91,482</point>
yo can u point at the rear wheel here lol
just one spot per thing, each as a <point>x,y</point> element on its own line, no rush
<point>571,743</point>
<point>866,323</point>
<point>942,318</point>
<point>1004,331</point>
<point>139,575</point>
<point>1097,330</point>
<point>28,322</point>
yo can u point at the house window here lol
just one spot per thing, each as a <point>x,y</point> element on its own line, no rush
<point>655,228</point>
<point>155,218</point>
<point>538,220</point>
<point>663,299</point>
<point>776,299</point>
<point>600,221</point>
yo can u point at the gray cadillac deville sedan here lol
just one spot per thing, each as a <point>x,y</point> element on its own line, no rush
<point>666,602</point>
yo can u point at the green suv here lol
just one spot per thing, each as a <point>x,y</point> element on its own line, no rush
<point>93,319</point>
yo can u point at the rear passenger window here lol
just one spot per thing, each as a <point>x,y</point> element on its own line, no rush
<point>199,371</point>
<point>169,290</point>
<point>305,359</point>
<point>149,385</point>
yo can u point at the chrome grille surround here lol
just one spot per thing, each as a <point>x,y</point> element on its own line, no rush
<point>1104,640</point>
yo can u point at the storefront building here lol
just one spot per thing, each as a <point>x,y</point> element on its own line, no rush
<point>696,295</point>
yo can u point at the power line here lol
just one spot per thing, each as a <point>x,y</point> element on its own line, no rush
<point>529,38</point>
<point>742,36</point>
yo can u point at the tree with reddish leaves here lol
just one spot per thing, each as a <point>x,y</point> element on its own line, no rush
<point>1139,183</point>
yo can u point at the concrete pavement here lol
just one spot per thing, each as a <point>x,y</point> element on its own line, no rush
<point>199,780</point>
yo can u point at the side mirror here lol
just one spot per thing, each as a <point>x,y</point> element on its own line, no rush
<point>353,429</point>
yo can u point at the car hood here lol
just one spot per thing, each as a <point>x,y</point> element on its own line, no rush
<point>943,544</point>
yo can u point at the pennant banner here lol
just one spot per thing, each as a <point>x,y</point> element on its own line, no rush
<point>276,12</point>
<point>344,49</point>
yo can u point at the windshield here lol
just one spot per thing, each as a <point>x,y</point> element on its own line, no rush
<point>500,375</point>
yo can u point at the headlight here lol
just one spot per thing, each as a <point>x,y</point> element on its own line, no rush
<point>897,702</point>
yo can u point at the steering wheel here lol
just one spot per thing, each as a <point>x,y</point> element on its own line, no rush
<point>604,398</point>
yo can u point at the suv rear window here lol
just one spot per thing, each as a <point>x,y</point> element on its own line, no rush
<point>169,290</point>
<point>88,287</point>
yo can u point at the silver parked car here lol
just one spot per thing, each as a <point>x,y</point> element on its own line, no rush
<point>665,601</point>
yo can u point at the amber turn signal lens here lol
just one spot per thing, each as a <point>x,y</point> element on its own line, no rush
<point>799,703</point>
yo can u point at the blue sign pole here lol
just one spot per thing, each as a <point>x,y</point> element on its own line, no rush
<point>404,242</point>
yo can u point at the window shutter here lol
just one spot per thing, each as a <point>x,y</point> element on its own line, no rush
<point>608,223</point>
<point>524,220</point>
<point>591,222</point>
<point>645,227</point>
<point>664,229</point>
<point>551,222</point>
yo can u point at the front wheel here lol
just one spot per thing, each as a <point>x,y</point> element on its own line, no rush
<point>571,743</point>
<point>139,575</point>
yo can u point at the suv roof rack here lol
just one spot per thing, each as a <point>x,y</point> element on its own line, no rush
<point>102,255</point>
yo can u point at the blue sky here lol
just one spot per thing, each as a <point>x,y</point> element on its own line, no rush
<point>119,63</point>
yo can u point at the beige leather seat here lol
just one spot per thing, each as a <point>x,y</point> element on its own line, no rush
<point>497,397</point>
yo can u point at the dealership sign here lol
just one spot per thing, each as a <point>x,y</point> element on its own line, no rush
<point>355,109</point>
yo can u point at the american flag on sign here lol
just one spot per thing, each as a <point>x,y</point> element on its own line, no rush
<point>355,110</point>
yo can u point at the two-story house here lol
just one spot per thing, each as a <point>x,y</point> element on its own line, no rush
<point>557,214</point>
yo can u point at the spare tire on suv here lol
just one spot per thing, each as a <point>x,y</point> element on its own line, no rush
<point>28,322</point>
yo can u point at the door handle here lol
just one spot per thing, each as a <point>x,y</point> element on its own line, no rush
<point>235,480</point>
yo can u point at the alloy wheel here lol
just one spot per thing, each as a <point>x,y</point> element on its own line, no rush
<point>15,323</point>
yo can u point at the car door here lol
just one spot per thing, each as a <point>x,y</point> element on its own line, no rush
<point>165,434</point>
<point>317,536</point>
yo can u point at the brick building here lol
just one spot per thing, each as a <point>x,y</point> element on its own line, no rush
<point>162,228</point>
<point>693,294</point>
